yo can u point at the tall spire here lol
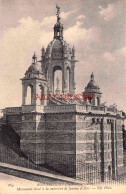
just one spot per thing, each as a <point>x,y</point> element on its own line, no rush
<point>34,58</point>
<point>92,77</point>
<point>58,27</point>
<point>58,13</point>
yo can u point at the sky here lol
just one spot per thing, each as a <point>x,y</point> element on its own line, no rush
<point>96,28</point>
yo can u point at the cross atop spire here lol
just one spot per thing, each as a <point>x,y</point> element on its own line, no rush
<point>58,27</point>
<point>92,77</point>
<point>34,58</point>
<point>58,13</point>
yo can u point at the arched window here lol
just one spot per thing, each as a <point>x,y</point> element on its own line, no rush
<point>57,83</point>
<point>29,94</point>
<point>93,120</point>
<point>97,120</point>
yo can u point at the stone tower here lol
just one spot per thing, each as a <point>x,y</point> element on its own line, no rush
<point>32,131</point>
<point>34,80</point>
<point>93,89</point>
<point>59,56</point>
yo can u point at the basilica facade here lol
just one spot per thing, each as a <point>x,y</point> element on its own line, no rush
<point>64,133</point>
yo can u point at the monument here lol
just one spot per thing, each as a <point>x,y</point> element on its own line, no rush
<point>66,134</point>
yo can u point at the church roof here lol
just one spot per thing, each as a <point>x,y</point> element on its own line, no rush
<point>58,47</point>
<point>56,43</point>
<point>34,67</point>
<point>58,25</point>
<point>91,86</point>
<point>92,83</point>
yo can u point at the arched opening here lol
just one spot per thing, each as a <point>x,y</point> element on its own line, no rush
<point>29,94</point>
<point>58,33</point>
<point>93,120</point>
<point>109,171</point>
<point>57,79</point>
<point>89,98</point>
<point>97,120</point>
<point>68,79</point>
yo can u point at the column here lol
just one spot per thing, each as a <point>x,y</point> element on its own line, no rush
<point>102,151</point>
<point>23,94</point>
<point>113,150</point>
<point>64,78</point>
<point>72,83</point>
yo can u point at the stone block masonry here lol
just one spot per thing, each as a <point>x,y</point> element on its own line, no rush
<point>33,136</point>
<point>60,140</point>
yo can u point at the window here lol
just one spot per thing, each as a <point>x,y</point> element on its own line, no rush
<point>29,95</point>
<point>93,120</point>
<point>57,73</point>
<point>97,120</point>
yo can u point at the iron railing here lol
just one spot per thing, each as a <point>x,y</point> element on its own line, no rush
<point>58,164</point>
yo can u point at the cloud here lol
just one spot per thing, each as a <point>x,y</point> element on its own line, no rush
<point>17,43</point>
<point>64,15</point>
<point>17,47</point>
<point>114,71</point>
<point>108,13</point>
<point>51,20</point>
<point>78,33</point>
<point>80,17</point>
<point>118,56</point>
<point>108,57</point>
<point>16,50</point>
<point>109,69</point>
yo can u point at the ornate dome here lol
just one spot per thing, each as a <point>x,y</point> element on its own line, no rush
<point>58,48</point>
<point>57,44</point>
<point>92,84</point>
<point>58,25</point>
<point>34,67</point>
